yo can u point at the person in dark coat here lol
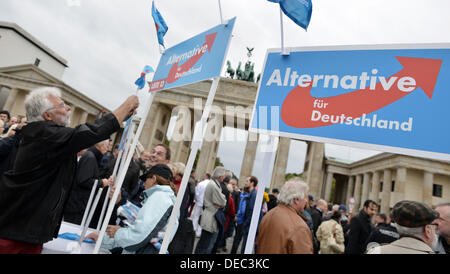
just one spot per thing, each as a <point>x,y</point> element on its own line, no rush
<point>360,228</point>
<point>317,212</point>
<point>33,194</point>
<point>384,232</point>
<point>8,151</point>
<point>235,195</point>
<point>88,171</point>
<point>142,162</point>
<point>220,241</point>
<point>251,183</point>
<point>9,146</point>
<point>131,180</point>
<point>273,200</point>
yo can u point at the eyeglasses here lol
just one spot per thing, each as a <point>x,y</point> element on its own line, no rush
<point>62,105</point>
<point>159,153</point>
<point>443,219</point>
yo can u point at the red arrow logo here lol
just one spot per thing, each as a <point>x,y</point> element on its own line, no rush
<point>178,71</point>
<point>299,106</point>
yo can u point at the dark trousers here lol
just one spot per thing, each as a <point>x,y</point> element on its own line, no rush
<point>244,240</point>
<point>206,242</point>
<point>220,241</point>
<point>17,247</point>
<point>230,229</point>
<point>237,239</point>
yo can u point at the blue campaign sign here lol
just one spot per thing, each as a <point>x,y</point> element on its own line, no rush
<point>392,98</point>
<point>193,60</point>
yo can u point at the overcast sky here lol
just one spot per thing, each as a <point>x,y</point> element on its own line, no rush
<point>108,42</point>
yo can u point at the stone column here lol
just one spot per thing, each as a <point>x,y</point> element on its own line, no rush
<point>83,117</point>
<point>4,93</point>
<point>428,179</point>
<point>249,157</point>
<point>155,127</point>
<point>375,187</point>
<point>400,184</point>
<point>208,151</point>
<point>328,186</point>
<point>18,107</point>
<point>11,99</point>
<point>281,158</point>
<point>386,194</point>
<point>350,186</point>
<point>73,116</point>
<point>365,189</point>
<point>314,167</point>
<point>181,136</point>
<point>357,192</point>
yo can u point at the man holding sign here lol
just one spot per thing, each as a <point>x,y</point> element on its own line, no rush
<point>34,193</point>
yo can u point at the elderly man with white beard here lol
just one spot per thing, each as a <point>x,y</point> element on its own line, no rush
<point>34,193</point>
<point>415,225</point>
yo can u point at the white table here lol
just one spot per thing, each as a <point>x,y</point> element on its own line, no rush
<point>63,246</point>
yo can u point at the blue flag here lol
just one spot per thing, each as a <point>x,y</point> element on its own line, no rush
<point>298,10</point>
<point>160,24</point>
<point>140,82</point>
<point>123,140</point>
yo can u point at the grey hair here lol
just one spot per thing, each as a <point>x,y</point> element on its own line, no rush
<point>37,102</point>
<point>410,231</point>
<point>335,208</point>
<point>294,188</point>
<point>218,172</point>
<point>178,168</point>
<point>228,173</point>
<point>103,142</point>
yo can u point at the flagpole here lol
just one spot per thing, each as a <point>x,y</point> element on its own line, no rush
<point>171,229</point>
<point>88,207</point>
<point>265,182</point>
<point>91,213</point>
<point>220,11</point>
<point>283,50</point>
<point>122,174</point>
<point>120,159</point>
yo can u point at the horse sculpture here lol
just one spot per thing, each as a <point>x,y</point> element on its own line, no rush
<point>239,72</point>
<point>230,70</point>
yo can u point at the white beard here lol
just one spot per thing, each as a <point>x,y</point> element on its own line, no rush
<point>435,243</point>
<point>64,120</point>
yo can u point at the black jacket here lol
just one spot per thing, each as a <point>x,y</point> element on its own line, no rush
<point>34,193</point>
<point>273,202</point>
<point>88,171</point>
<point>8,151</point>
<point>316,216</point>
<point>142,168</point>
<point>131,180</point>
<point>236,198</point>
<point>358,232</point>
<point>383,234</point>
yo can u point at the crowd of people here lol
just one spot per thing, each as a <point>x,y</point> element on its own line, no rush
<point>48,171</point>
<point>300,225</point>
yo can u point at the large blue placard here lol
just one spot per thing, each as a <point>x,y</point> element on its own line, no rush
<point>196,59</point>
<point>392,98</point>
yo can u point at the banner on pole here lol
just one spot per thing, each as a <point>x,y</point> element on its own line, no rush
<point>196,59</point>
<point>391,98</point>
